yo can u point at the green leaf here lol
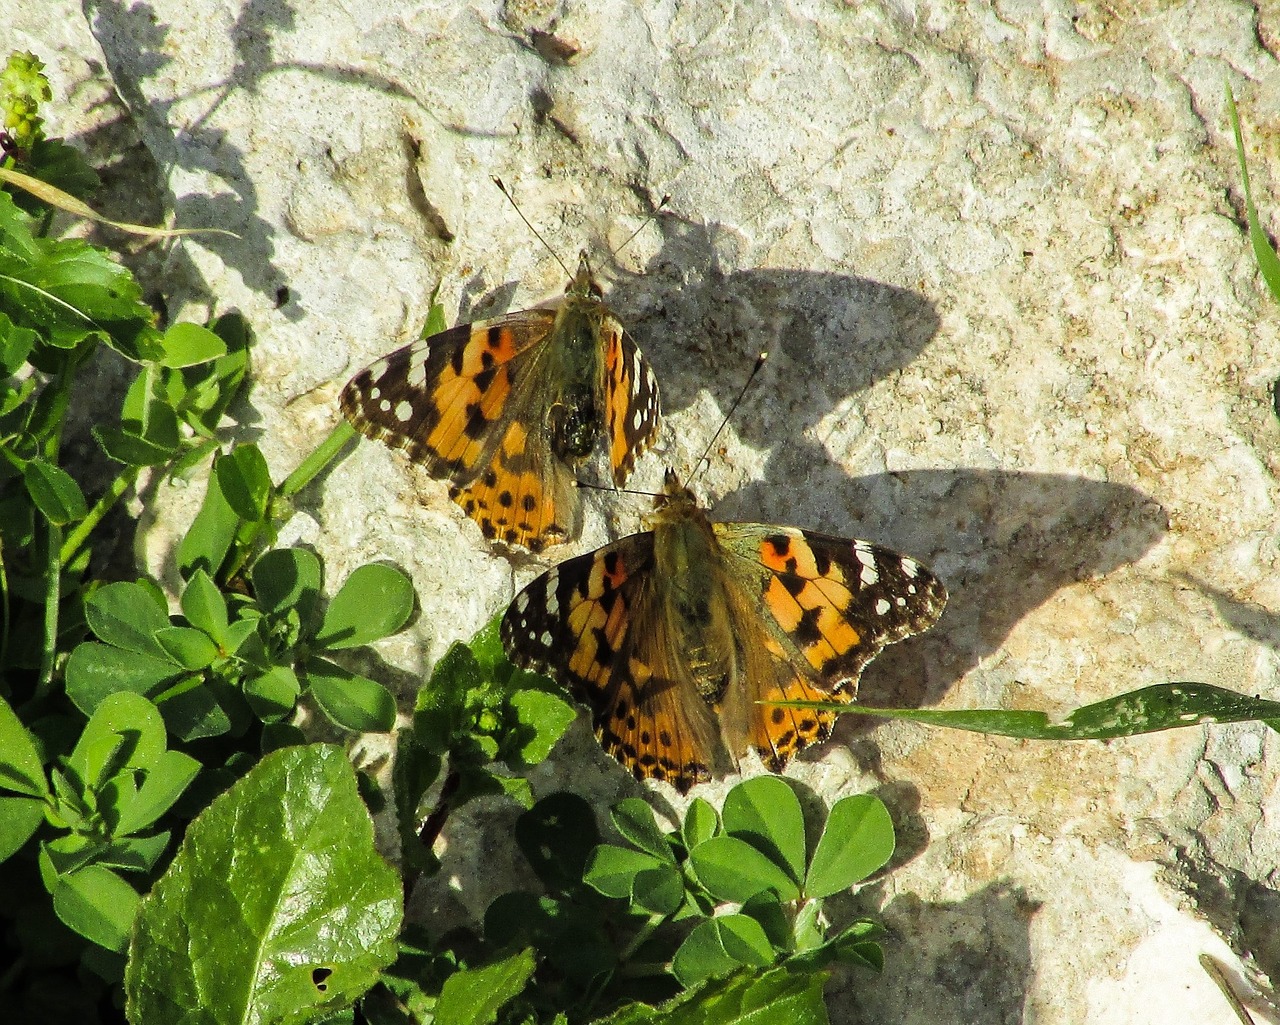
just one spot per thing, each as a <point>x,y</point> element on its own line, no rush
<point>185,345</point>
<point>131,448</point>
<point>15,346</point>
<point>283,577</point>
<point>732,870</point>
<point>542,718</point>
<point>701,823</point>
<point>191,711</point>
<point>1163,706</point>
<point>854,945</point>
<point>245,482</point>
<point>211,534</point>
<point>124,731</point>
<point>375,602</point>
<point>633,818</point>
<point>857,840</point>
<point>474,996</point>
<point>720,946</point>
<point>166,779</point>
<point>613,870</point>
<point>54,492</point>
<point>68,291</point>
<point>20,817</point>
<point>287,856</point>
<point>1263,253</point>
<point>20,767</point>
<point>98,904</point>
<point>765,813</point>
<point>127,616</point>
<point>557,836</point>
<point>95,671</point>
<point>205,607</point>
<point>352,702</point>
<point>747,998</point>
<point>274,693</point>
<point>659,891</point>
<point>190,648</point>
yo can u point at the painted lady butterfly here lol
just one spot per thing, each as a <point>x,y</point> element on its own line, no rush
<point>680,637</point>
<point>504,409</point>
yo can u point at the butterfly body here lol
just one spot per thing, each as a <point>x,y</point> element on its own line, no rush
<point>683,638</point>
<point>506,409</point>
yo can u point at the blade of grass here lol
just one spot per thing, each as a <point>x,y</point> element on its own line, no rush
<point>1263,252</point>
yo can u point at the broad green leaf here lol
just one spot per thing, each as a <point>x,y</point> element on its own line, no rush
<point>857,840</point>
<point>245,481</point>
<point>474,996</point>
<point>542,718</point>
<point>15,346</point>
<point>777,995</point>
<point>190,648</point>
<point>205,607</point>
<point>613,870</point>
<point>68,290</point>
<point>274,693</point>
<point>166,778</point>
<point>854,945</point>
<point>352,702</point>
<point>557,836</point>
<point>568,934</point>
<point>210,536</point>
<point>131,448</point>
<point>283,576</point>
<point>415,768</point>
<point>701,823</point>
<point>375,602</point>
<point>54,492</point>
<point>20,817</point>
<point>98,904</point>
<point>125,730</point>
<point>633,818</point>
<point>95,671</point>
<point>20,768</point>
<point>440,710</point>
<point>1163,706</point>
<point>732,870</point>
<point>126,615</point>
<point>287,857</point>
<point>720,946</point>
<point>134,853</point>
<point>767,909</point>
<point>660,891</point>
<point>765,813</point>
<point>191,711</point>
<point>185,345</point>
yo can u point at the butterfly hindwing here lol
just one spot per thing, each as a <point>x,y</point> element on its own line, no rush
<point>827,606</point>
<point>592,624</point>
<point>631,401</point>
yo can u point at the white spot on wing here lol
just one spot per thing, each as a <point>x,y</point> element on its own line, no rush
<point>910,568</point>
<point>417,375</point>
<point>522,602</point>
<point>882,607</point>
<point>404,411</point>
<point>868,576</point>
<point>385,405</point>
<point>545,639</point>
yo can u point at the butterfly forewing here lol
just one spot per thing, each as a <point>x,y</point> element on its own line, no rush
<point>505,409</point>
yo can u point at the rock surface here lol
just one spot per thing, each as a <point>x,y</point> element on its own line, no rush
<point>996,252</point>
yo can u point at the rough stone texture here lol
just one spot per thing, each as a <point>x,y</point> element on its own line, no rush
<point>997,255</point>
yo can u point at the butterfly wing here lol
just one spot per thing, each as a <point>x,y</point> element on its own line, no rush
<point>594,624</point>
<point>631,401</point>
<point>460,403</point>
<point>814,610</point>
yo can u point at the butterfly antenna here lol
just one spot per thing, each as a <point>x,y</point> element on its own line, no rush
<point>643,224</point>
<point>698,466</point>
<point>613,490</point>
<point>536,234</point>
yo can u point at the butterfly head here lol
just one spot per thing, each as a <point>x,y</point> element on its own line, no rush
<point>584,283</point>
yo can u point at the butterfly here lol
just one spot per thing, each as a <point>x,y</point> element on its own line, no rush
<point>682,638</point>
<point>505,409</point>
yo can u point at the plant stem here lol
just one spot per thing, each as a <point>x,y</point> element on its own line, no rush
<point>310,467</point>
<point>115,491</point>
<point>52,595</point>
<point>638,940</point>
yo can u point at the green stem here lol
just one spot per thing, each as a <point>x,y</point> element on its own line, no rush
<point>115,491</point>
<point>638,940</point>
<point>317,461</point>
<point>52,595</point>
<point>4,624</point>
